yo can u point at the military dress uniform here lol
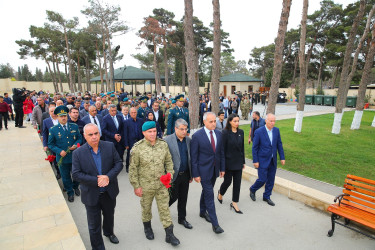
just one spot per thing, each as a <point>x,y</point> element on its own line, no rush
<point>60,139</point>
<point>142,111</point>
<point>177,113</point>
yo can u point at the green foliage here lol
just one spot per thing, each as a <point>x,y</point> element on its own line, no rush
<point>6,71</point>
<point>321,155</point>
<point>319,91</point>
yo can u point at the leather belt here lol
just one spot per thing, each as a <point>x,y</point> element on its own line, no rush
<point>181,173</point>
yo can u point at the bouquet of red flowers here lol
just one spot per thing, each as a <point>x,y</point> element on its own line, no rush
<point>39,131</point>
<point>67,152</point>
<point>166,180</point>
<point>50,158</point>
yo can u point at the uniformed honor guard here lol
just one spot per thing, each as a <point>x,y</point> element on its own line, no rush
<point>176,113</point>
<point>62,139</point>
<point>150,159</point>
<point>142,109</point>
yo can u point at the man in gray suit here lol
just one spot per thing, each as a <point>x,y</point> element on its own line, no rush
<point>179,147</point>
<point>221,123</point>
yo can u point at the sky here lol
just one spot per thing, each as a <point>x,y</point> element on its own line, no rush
<point>250,23</point>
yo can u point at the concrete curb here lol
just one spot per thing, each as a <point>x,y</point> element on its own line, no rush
<point>309,196</point>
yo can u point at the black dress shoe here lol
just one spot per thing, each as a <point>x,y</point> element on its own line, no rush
<point>71,198</point>
<point>206,216</point>
<point>221,201</point>
<point>113,239</point>
<point>237,211</point>
<point>185,224</point>
<point>271,203</point>
<point>252,196</point>
<point>217,229</point>
<point>77,192</point>
<point>21,127</point>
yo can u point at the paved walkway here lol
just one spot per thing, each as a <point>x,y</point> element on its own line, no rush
<point>33,211</point>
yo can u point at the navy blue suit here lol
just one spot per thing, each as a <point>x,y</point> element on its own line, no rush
<point>265,154</point>
<point>132,134</point>
<point>47,124</point>
<point>85,171</point>
<point>109,130</point>
<point>87,120</point>
<point>207,163</point>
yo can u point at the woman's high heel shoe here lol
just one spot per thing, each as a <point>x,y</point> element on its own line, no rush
<point>221,201</point>
<point>237,211</point>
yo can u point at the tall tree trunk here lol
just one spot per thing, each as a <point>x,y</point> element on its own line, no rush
<point>100,68</point>
<point>111,70</point>
<point>66,71</point>
<point>342,92</point>
<point>321,66</point>
<point>88,83</point>
<point>56,87</point>
<point>278,59</point>
<point>79,74</point>
<point>166,71</point>
<point>192,67</point>
<point>183,77</point>
<point>73,85</point>
<point>215,76</point>
<point>303,70</point>
<point>71,80</point>
<point>295,69</point>
<point>58,70</point>
<point>105,64</point>
<point>335,77</point>
<point>54,74</point>
<point>156,70</point>
<point>363,85</point>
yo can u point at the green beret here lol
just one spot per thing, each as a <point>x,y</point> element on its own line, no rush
<point>173,101</point>
<point>148,125</point>
<point>61,110</point>
<point>125,99</point>
<point>180,98</point>
<point>112,95</point>
<point>108,93</point>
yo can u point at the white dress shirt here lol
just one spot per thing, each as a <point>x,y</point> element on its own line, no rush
<point>97,123</point>
<point>209,135</point>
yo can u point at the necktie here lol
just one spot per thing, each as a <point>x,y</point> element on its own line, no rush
<point>115,121</point>
<point>212,141</point>
<point>64,127</point>
<point>95,121</point>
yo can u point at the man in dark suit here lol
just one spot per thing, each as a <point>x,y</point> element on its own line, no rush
<point>176,113</point>
<point>93,117</point>
<point>266,144</point>
<point>179,147</point>
<point>207,163</point>
<point>150,100</point>
<point>113,130</point>
<point>132,133</point>
<point>158,114</point>
<point>96,166</point>
<point>84,112</point>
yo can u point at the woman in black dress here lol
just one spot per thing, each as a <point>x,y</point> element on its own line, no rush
<point>233,141</point>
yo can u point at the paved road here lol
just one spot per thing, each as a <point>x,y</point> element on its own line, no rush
<point>288,225</point>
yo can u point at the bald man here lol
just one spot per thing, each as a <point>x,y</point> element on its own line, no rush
<point>266,144</point>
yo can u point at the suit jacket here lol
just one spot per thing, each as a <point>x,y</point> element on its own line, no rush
<point>160,120</point>
<point>109,128</point>
<point>234,149</point>
<point>37,116</point>
<point>83,113</point>
<point>132,131</point>
<point>218,124</point>
<point>204,161</point>
<point>263,150</point>
<point>47,124</point>
<point>87,120</point>
<point>175,152</point>
<point>104,112</point>
<point>84,171</point>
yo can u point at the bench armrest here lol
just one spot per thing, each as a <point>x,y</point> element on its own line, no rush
<point>339,197</point>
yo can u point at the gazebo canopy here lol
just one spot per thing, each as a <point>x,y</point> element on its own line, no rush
<point>239,77</point>
<point>129,73</point>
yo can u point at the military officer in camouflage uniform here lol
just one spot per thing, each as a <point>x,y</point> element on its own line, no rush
<point>245,107</point>
<point>149,160</point>
<point>143,108</point>
<point>61,137</point>
<point>176,113</point>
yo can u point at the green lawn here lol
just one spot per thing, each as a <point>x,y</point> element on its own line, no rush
<point>318,154</point>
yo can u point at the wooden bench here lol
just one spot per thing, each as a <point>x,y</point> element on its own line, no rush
<point>357,203</point>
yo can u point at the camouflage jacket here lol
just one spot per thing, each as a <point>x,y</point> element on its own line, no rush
<point>148,163</point>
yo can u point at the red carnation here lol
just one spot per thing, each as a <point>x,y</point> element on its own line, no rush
<point>78,145</point>
<point>50,158</point>
<point>166,180</point>
<point>39,131</point>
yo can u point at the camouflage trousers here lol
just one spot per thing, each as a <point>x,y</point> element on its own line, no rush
<point>161,196</point>
<point>245,114</point>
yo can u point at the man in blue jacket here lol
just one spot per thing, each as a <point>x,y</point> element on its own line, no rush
<point>266,144</point>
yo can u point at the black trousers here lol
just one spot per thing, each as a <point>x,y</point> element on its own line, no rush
<point>4,116</point>
<point>236,175</point>
<point>19,115</point>
<point>106,205</point>
<point>179,191</point>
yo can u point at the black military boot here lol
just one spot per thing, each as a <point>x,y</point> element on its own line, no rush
<point>148,230</point>
<point>169,237</point>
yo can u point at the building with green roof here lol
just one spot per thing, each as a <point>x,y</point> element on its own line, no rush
<point>229,84</point>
